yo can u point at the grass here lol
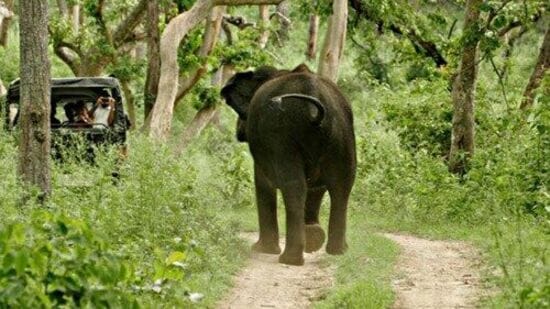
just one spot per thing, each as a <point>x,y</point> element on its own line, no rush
<point>363,274</point>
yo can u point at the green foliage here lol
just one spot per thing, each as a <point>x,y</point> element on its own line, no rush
<point>9,62</point>
<point>318,7</point>
<point>243,54</point>
<point>161,232</point>
<point>422,117</point>
<point>187,53</point>
<point>205,95</point>
<point>57,261</point>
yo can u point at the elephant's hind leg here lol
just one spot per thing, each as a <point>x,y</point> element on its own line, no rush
<point>266,200</point>
<point>315,236</point>
<point>294,196</point>
<point>339,196</point>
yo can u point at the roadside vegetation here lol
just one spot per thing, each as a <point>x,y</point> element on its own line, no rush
<point>166,234</point>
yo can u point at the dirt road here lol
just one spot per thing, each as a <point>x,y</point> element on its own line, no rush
<point>265,283</point>
<point>435,274</point>
<point>430,274</point>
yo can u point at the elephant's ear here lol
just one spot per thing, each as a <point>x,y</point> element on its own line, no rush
<point>232,92</point>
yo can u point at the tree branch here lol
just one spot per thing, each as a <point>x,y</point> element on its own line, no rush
<point>127,26</point>
<point>176,30</point>
<point>518,23</point>
<point>421,45</point>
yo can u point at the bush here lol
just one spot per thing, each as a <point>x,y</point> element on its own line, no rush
<point>422,116</point>
<point>58,261</point>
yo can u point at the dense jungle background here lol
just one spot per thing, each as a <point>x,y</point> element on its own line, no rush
<point>166,233</point>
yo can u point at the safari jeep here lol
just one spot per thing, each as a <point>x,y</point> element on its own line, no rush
<point>84,110</point>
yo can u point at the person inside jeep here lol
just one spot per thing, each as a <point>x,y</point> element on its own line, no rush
<point>77,114</point>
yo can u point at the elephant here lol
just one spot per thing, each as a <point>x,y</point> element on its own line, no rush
<point>299,129</point>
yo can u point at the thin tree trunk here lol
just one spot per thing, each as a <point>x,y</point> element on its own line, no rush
<point>541,67</point>
<point>213,27</point>
<point>335,37</point>
<point>205,115</point>
<point>130,103</point>
<point>463,130</point>
<point>312,37</point>
<point>63,8</point>
<point>6,22</point>
<point>75,14</point>
<point>197,125</point>
<point>510,40</point>
<point>34,146</point>
<point>264,22</point>
<point>153,55</point>
<point>283,11</point>
<point>179,26</point>
<point>3,90</point>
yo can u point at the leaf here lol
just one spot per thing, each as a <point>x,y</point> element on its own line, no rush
<point>176,256</point>
<point>21,262</point>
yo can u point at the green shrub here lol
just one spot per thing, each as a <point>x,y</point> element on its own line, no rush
<point>422,116</point>
<point>58,261</point>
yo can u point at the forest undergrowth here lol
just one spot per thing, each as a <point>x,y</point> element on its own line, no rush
<point>166,232</point>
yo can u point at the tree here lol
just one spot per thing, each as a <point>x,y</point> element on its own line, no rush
<point>463,126</point>
<point>210,37</point>
<point>264,23</point>
<point>34,147</point>
<point>312,36</point>
<point>88,53</point>
<point>283,13</point>
<point>335,37</point>
<point>177,28</point>
<point>3,90</point>
<point>540,69</point>
<point>153,55</point>
<point>6,16</point>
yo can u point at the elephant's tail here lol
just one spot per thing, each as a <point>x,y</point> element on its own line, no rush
<point>316,102</point>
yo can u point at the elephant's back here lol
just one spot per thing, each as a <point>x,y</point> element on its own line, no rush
<point>288,127</point>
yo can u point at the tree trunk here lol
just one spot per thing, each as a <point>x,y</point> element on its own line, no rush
<point>75,14</point>
<point>3,90</point>
<point>335,37</point>
<point>5,22</point>
<point>34,146</point>
<point>194,129</point>
<point>153,55</point>
<point>205,115</point>
<point>130,102</point>
<point>463,130</point>
<point>312,37</point>
<point>213,27</point>
<point>264,23</point>
<point>541,67</point>
<point>63,8</point>
<point>161,115</point>
<point>283,11</point>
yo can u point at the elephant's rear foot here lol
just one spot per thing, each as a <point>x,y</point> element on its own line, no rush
<point>315,237</point>
<point>266,247</point>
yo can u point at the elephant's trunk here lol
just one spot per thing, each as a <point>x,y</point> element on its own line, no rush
<point>316,102</point>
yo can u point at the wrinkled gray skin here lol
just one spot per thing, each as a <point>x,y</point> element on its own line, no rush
<point>302,148</point>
